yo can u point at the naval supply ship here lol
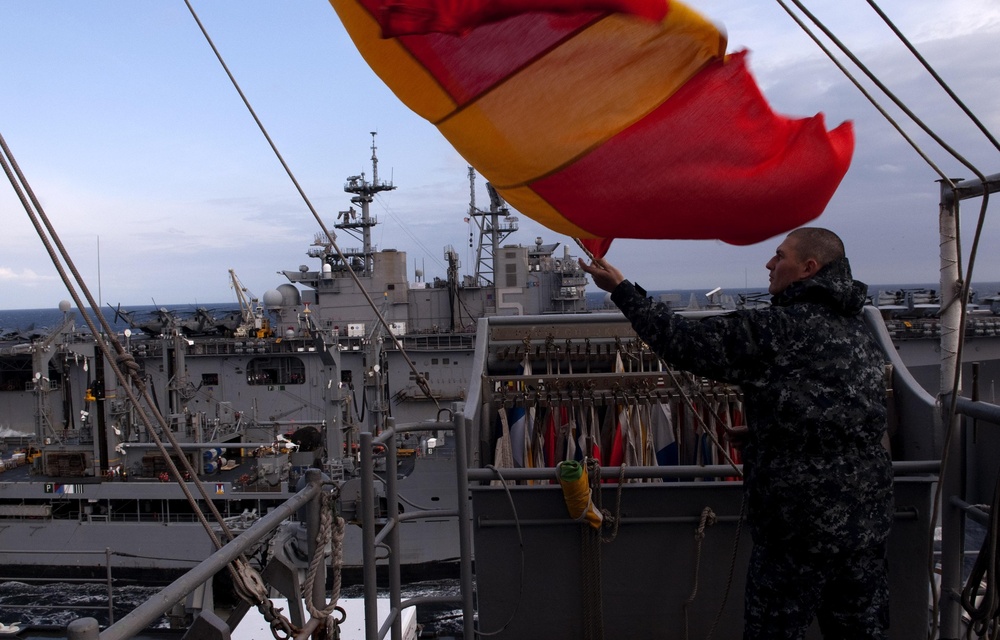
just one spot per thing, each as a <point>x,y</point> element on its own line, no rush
<point>256,397</point>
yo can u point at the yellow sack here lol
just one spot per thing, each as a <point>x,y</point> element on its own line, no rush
<point>576,492</point>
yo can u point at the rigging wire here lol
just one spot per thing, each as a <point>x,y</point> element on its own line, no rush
<point>51,241</point>
<point>878,83</point>
<point>413,237</point>
<point>934,74</point>
<point>843,69</point>
<point>331,237</point>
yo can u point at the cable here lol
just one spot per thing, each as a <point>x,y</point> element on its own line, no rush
<point>934,74</point>
<point>878,83</point>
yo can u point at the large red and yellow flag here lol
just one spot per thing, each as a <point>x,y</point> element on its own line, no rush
<point>605,118</point>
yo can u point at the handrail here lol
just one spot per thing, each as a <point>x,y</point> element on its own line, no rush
<point>150,610</point>
<point>388,537</point>
<point>683,472</point>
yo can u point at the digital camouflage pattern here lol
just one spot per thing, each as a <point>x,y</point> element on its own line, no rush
<point>848,592</point>
<point>816,475</point>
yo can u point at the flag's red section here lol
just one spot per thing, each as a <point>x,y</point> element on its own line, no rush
<point>470,66</point>
<point>415,17</point>
<point>550,440</point>
<point>712,162</point>
<point>597,246</point>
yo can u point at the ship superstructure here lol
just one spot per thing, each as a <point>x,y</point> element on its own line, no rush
<point>287,382</point>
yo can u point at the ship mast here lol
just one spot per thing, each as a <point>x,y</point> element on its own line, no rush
<point>492,230</point>
<point>362,261</point>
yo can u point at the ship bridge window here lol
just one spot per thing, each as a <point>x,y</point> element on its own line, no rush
<point>268,371</point>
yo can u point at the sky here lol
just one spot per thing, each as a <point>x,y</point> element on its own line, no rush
<point>158,181</point>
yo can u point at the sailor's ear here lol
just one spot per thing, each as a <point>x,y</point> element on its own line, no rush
<point>810,267</point>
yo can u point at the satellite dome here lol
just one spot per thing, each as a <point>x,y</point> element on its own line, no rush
<point>272,299</point>
<point>290,296</point>
<point>65,305</point>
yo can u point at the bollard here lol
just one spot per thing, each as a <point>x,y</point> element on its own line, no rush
<point>83,629</point>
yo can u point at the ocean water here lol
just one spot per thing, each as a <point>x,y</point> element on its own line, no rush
<point>39,320</point>
<point>55,605</point>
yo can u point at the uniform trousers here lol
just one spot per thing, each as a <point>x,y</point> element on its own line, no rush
<point>848,592</point>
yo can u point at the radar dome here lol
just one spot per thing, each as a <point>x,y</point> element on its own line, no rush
<point>290,296</point>
<point>65,305</point>
<point>272,299</point>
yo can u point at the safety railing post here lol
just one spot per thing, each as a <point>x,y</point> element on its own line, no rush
<point>392,514</point>
<point>464,523</point>
<point>368,536</point>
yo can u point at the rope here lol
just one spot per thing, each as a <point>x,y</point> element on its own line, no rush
<point>708,518</point>
<point>884,89</point>
<point>331,531</point>
<point>325,536</point>
<point>682,390</point>
<point>613,519</point>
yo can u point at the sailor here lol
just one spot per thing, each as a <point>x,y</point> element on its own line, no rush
<point>818,480</point>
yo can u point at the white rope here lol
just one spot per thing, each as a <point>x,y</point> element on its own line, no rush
<point>325,535</point>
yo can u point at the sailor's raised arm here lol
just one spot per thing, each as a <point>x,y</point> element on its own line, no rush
<point>605,275</point>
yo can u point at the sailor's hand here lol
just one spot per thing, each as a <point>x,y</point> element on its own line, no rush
<point>603,273</point>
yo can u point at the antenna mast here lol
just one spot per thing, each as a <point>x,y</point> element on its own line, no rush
<point>363,260</point>
<point>494,227</point>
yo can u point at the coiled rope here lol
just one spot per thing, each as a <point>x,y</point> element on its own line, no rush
<point>331,531</point>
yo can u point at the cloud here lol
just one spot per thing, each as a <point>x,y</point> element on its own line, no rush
<point>25,277</point>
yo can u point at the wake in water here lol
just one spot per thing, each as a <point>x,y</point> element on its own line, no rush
<point>59,603</point>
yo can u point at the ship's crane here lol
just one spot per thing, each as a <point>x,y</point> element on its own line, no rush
<point>253,323</point>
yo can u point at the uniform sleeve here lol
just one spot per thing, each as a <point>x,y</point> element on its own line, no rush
<point>726,347</point>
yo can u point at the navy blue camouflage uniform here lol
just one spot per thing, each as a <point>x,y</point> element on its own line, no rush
<point>817,479</point>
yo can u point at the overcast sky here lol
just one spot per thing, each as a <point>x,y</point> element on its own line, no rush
<point>157,179</point>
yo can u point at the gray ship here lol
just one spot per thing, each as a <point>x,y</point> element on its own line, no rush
<point>310,400</point>
<point>669,556</point>
<point>255,398</point>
